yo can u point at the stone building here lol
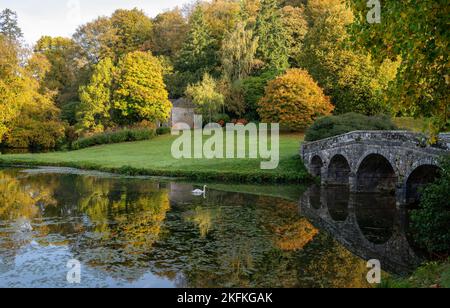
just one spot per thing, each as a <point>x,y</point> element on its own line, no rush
<point>183,112</point>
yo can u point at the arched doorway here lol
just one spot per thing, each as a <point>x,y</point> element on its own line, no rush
<point>420,177</point>
<point>376,174</point>
<point>338,171</point>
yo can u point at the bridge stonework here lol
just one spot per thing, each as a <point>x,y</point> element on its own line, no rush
<point>374,161</point>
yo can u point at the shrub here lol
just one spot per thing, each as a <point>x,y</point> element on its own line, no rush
<point>253,89</point>
<point>294,100</point>
<point>163,131</point>
<point>118,136</point>
<point>430,223</point>
<point>221,117</point>
<point>337,125</point>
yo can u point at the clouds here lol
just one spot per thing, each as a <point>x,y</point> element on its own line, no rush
<point>61,18</point>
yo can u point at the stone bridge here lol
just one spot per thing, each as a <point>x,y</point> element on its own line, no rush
<point>398,162</point>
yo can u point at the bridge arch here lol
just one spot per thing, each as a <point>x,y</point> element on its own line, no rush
<point>375,173</point>
<point>316,165</point>
<point>423,173</point>
<point>338,170</point>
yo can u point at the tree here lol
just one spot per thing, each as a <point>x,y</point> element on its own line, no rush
<point>238,53</point>
<point>198,54</point>
<point>206,97</point>
<point>249,12</point>
<point>96,98</point>
<point>37,123</point>
<point>96,40</point>
<point>10,83</point>
<point>113,37</point>
<point>417,31</point>
<point>141,93</point>
<point>9,26</point>
<point>253,88</point>
<point>296,26</point>
<point>132,29</point>
<point>221,17</point>
<point>350,76</point>
<point>272,48</point>
<point>169,32</point>
<point>430,222</point>
<point>294,100</point>
<point>65,70</point>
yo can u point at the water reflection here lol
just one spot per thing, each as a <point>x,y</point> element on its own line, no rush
<point>142,233</point>
<point>369,225</point>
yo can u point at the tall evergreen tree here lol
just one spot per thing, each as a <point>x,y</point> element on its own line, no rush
<point>199,52</point>
<point>9,26</point>
<point>272,50</point>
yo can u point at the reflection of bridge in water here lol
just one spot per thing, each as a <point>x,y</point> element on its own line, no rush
<point>369,225</point>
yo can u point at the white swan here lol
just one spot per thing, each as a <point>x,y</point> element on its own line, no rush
<point>199,192</point>
<point>24,226</point>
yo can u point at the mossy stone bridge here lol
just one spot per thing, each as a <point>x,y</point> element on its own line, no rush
<point>397,162</point>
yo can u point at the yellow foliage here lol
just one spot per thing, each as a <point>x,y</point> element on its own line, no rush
<point>294,100</point>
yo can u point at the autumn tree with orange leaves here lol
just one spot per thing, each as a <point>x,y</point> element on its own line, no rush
<point>294,100</point>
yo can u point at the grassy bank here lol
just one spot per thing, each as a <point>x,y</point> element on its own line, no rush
<point>153,157</point>
<point>430,275</point>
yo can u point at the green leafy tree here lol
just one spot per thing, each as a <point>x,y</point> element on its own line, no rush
<point>199,52</point>
<point>206,97</point>
<point>96,40</point>
<point>430,222</point>
<point>132,29</point>
<point>253,88</point>
<point>9,26</point>
<point>96,98</point>
<point>417,31</point>
<point>113,37</point>
<point>169,32</point>
<point>141,93</point>
<point>272,48</point>
<point>249,12</point>
<point>238,53</point>
<point>221,16</point>
<point>66,72</point>
<point>353,80</point>
<point>296,26</point>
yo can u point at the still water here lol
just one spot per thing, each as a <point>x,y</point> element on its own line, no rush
<point>137,232</point>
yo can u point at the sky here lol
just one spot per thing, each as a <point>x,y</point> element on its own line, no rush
<point>62,17</point>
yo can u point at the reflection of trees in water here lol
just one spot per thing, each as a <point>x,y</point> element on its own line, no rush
<point>125,228</point>
<point>22,201</point>
<point>203,218</point>
<point>333,266</point>
<point>124,222</point>
<point>252,243</point>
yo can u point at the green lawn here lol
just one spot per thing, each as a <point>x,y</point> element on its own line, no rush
<point>154,157</point>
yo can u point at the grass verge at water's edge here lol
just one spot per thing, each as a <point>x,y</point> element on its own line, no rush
<point>153,158</point>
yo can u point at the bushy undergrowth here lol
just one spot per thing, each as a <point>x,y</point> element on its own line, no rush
<point>123,135</point>
<point>431,222</point>
<point>337,125</point>
<point>163,131</point>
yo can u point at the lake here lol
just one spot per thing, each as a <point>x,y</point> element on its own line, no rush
<point>143,232</point>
